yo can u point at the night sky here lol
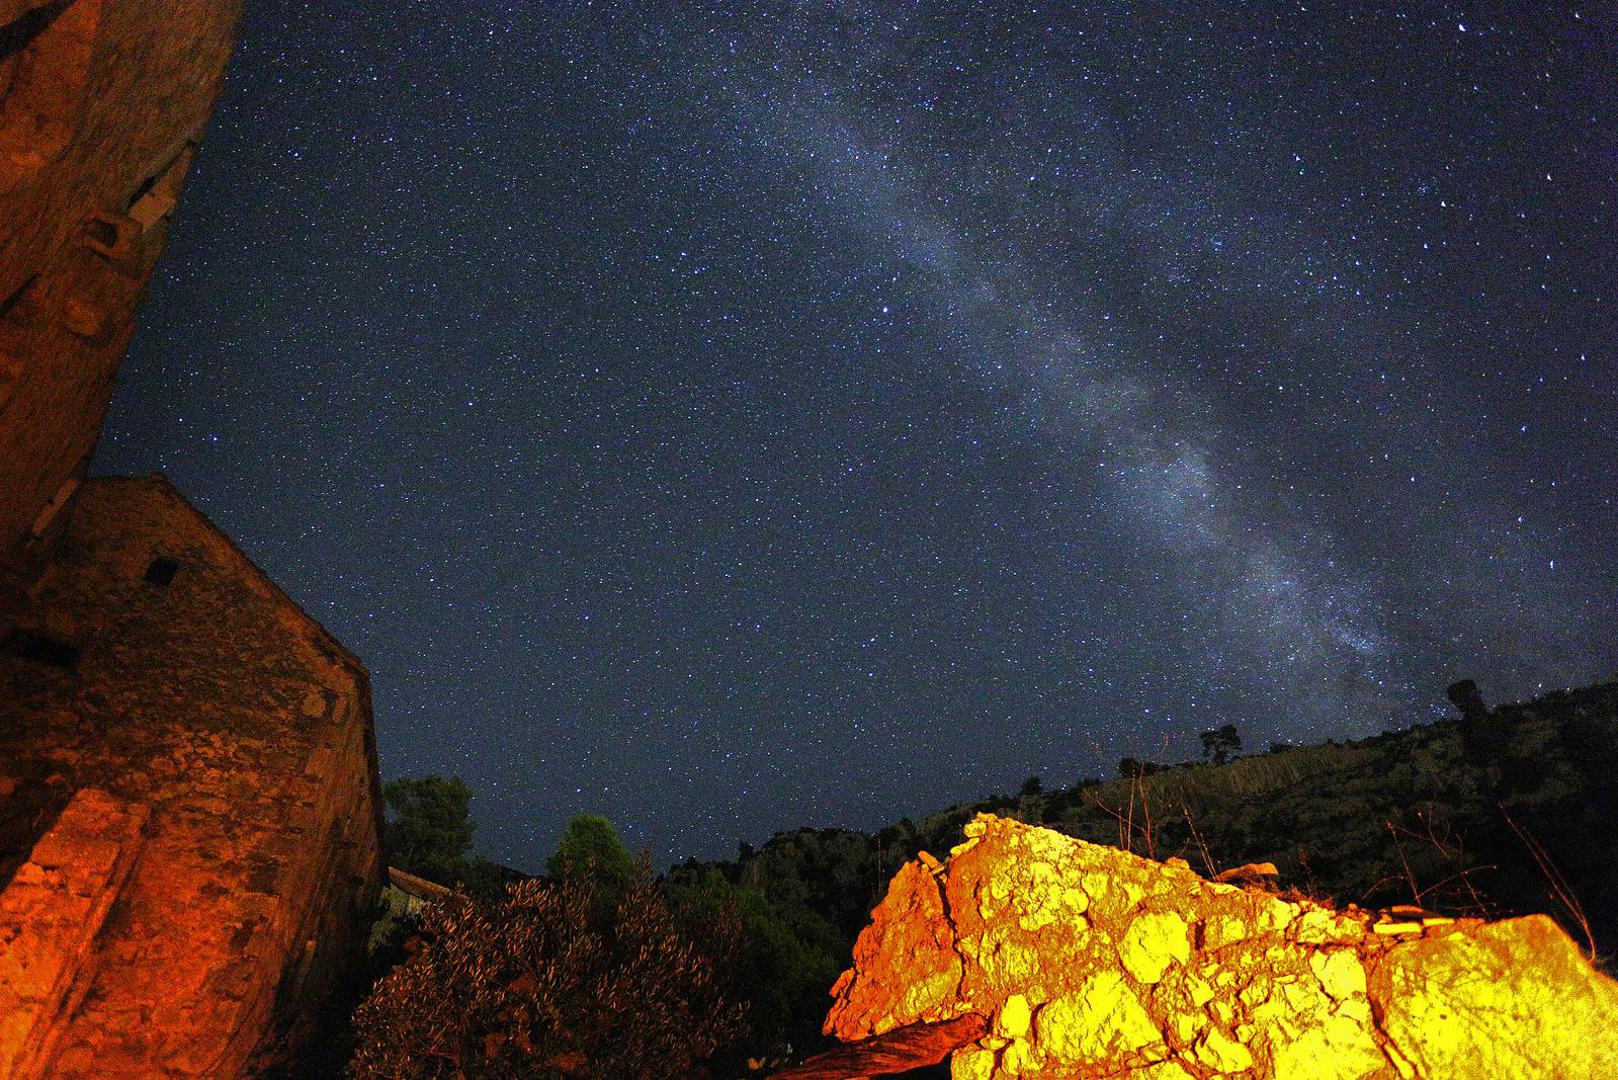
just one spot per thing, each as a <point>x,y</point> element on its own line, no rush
<point>811,415</point>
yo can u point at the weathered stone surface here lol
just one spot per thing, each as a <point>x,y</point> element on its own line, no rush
<point>50,914</point>
<point>190,815</point>
<point>100,103</point>
<point>1086,961</point>
<point>208,703</point>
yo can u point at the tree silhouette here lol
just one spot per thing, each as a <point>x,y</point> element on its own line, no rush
<point>591,852</point>
<point>1219,743</point>
<point>1135,769</point>
<point>430,831</point>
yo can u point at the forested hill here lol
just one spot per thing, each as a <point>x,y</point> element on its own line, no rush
<point>1501,811</point>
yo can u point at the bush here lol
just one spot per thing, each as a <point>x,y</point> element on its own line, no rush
<point>546,984</point>
<point>786,962</point>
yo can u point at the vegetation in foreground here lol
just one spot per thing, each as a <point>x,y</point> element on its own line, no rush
<point>570,977</point>
<point>1504,811</point>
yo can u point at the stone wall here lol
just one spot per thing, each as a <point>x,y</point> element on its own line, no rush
<point>101,102</point>
<point>190,817</point>
<point>52,913</point>
<point>1086,961</point>
<point>224,743</point>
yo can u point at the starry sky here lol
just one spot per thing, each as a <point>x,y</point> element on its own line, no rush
<point>735,417</point>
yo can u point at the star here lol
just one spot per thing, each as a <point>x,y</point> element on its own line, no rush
<point>739,420</point>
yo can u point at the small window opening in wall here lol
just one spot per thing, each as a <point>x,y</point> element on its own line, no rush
<point>102,232</point>
<point>27,645</point>
<point>161,571</point>
<point>157,197</point>
<point>44,58</point>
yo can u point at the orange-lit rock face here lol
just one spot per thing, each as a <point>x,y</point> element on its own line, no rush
<point>1092,962</point>
<point>198,843</point>
<point>100,104</point>
<point>189,808</point>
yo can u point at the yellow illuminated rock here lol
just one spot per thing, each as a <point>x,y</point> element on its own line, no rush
<point>1015,1018</point>
<point>1448,999</point>
<point>1340,973</point>
<point>1337,1051</point>
<point>1152,943</point>
<point>1220,1052</point>
<point>1092,962</point>
<point>1099,1022</point>
<point>1224,930</point>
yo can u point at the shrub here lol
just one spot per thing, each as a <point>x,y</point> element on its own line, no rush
<point>547,984</point>
<point>785,963</point>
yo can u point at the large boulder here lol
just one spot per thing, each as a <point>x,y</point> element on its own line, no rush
<point>1087,961</point>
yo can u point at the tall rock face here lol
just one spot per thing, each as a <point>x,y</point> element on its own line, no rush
<point>102,103</point>
<point>1087,961</point>
<point>190,816</point>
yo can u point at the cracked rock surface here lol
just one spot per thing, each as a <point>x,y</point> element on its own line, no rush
<point>1087,961</point>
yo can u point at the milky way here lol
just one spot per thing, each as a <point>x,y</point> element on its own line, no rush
<point>737,419</point>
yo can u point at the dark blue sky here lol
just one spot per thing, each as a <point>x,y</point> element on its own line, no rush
<point>813,414</point>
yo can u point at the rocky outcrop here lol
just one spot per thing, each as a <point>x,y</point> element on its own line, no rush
<point>101,105</point>
<point>1087,961</point>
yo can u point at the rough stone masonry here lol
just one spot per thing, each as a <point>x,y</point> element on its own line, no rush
<point>190,817</point>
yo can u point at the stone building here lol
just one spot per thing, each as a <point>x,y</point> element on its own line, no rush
<point>190,816</point>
